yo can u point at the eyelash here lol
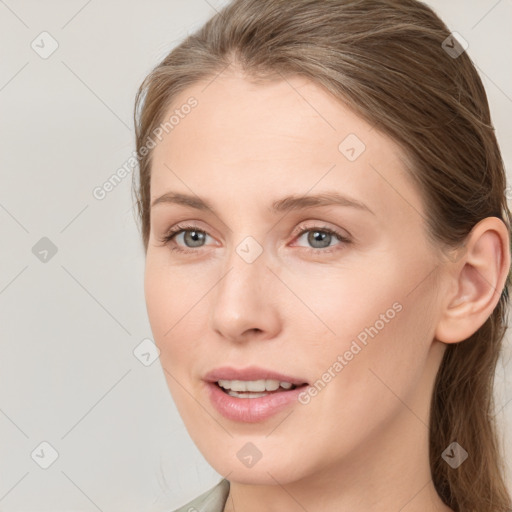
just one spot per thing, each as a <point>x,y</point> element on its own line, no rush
<point>176,230</point>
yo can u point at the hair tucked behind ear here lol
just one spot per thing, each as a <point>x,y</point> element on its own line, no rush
<point>385,59</point>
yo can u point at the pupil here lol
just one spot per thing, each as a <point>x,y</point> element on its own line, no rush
<point>196,237</point>
<point>319,236</point>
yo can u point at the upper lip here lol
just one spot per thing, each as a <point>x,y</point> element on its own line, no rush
<point>250,373</point>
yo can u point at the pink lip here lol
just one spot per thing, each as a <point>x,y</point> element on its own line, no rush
<point>250,410</point>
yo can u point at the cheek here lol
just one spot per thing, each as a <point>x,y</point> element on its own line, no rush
<point>159,304</point>
<point>346,302</point>
<point>172,304</point>
<point>385,299</point>
<point>378,359</point>
<point>172,300</point>
<point>378,331</point>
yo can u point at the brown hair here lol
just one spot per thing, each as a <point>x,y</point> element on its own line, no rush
<point>387,61</point>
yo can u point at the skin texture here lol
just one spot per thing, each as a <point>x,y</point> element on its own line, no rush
<point>361,444</point>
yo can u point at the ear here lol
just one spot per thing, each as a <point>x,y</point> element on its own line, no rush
<point>477,280</point>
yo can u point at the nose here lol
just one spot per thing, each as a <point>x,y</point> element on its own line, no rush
<point>245,304</point>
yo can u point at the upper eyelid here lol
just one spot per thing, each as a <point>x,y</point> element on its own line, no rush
<point>298,230</point>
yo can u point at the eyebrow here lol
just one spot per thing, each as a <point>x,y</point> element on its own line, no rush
<point>285,204</point>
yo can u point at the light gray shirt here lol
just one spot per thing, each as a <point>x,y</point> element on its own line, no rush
<point>212,500</point>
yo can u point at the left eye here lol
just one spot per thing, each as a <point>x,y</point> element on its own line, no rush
<point>320,238</point>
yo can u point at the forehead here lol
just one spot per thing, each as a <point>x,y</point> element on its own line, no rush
<point>286,135</point>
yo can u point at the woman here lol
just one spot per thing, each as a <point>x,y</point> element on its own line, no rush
<point>321,197</point>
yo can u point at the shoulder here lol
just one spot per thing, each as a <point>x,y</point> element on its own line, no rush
<point>213,500</point>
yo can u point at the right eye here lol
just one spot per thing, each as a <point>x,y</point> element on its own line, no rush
<point>192,237</point>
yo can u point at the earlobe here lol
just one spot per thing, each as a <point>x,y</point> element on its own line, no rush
<point>478,280</point>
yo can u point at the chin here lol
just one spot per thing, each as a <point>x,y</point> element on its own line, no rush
<point>263,472</point>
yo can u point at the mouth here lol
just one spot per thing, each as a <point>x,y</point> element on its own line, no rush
<point>251,394</point>
<point>255,388</point>
<point>252,382</point>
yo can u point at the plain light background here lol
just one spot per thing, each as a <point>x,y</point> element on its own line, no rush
<point>69,326</point>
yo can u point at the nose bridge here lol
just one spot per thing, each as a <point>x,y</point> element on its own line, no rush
<point>240,302</point>
<point>245,266</point>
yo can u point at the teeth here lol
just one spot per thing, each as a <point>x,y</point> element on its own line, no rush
<point>254,386</point>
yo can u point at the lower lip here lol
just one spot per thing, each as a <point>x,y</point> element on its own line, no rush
<point>251,410</point>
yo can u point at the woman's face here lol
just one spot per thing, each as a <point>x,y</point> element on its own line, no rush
<point>350,311</point>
